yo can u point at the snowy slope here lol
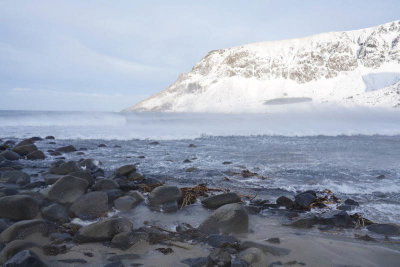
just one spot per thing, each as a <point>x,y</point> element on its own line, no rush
<point>359,67</point>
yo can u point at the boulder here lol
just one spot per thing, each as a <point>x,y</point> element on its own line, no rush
<point>125,170</point>
<point>304,222</point>
<point>217,201</point>
<point>163,194</point>
<point>384,229</point>
<point>67,189</point>
<point>36,155</point>
<point>90,206</point>
<point>50,137</point>
<point>170,206</point>
<point>51,178</point>
<point>126,203</point>
<point>252,256</point>
<point>336,218</point>
<point>25,150</point>
<point>25,142</point>
<point>217,241</point>
<point>64,168</point>
<point>305,199</point>
<point>10,155</point>
<point>22,229</point>
<point>351,202</point>
<point>113,194</point>
<point>66,149</point>
<point>55,212</point>
<point>15,177</point>
<point>230,218</point>
<point>285,202</point>
<point>18,207</point>
<point>89,164</point>
<point>103,230</point>
<point>86,175</point>
<point>125,240</point>
<point>25,258</point>
<point>219,257</point>
<point>13,248</point>
<point>105,184</point>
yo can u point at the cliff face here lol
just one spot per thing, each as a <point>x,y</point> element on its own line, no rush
<point>340,67</point>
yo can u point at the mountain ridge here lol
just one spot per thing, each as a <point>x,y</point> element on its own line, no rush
<point>326,67</point>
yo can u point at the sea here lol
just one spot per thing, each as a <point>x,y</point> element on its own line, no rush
<point>343,150</point>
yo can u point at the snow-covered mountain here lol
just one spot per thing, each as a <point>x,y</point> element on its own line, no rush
<point>359,67</point>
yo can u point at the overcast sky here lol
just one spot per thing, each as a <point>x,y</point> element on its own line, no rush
<point>108,55</point>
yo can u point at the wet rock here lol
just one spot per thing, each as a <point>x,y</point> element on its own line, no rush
<point>252,256</point>
<point>36,138</point>
<point>13,248</point>
<point>18,207</point>
<point>305,199</point>
<point>67,189</point>
<point>102,145</point>
<point>305,222</point>
<point>36,155</point>
<point>113,194</point>
<point>351,202</point>
<point>219,257</point>
<point>192,145</point>
<point>220,200</point>
<point>154,143</point>
<point>191,169</point>
<point>22,229</point>
<point>103,230</point>
<point>25,142</point>
<point>285,202</point>
<point>66,149</point>
<point>25,258</point>
<point>64,168</point>
<point>25,150</point>
<point>10,155</point>
<point>105,184</point>
<point>336,218</point>
<point>90,206</point>
<point>230,218</point>
<point>364,237</point>
<point>346,207</point>
<point>50,137</point>
<point>170,206</point>
<point>86,175</point>
<point>15,177</point>
<point>274,240</point>
<point>381,177</point>
<point>196,262</point>
<point>187,161</point>
<point>55,212</point>
<point>125,170</point>
<point>276,251</point>
<point>89,164</point>
<point>34,185</point>
<point>384,229</point>
<point>129,202</point>
<point>227,162</point>
<point>221,240</point>
<point>126,240</point>
<point>50,178</point>
<point>163,194</point>
<point>4,224</point>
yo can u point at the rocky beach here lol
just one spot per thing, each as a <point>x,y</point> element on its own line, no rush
<point>114,203</point>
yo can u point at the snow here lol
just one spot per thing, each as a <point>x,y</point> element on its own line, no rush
<point>359,67</point>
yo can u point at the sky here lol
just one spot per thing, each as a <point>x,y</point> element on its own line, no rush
<point>102,55</point>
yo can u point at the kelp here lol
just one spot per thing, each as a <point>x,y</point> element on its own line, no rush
<point>190,194</point>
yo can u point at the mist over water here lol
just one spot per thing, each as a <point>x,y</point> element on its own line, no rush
<point>283,120</point>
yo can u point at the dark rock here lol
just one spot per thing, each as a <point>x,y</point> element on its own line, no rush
<point>115,264</point>
<point>73,261</point>
<point>276,251</point>
<point>105,184</point>
<point>191,169</point>
<point>365,238</point>
<point>58,238</point>
<point>125,170</point>
<point>65,168</point>
<point>220,200</point>
<point>305,222</point>
<point>54,249</point>
<point>384,229</point>
<point>103,230</point>
<point>13,248</point>
<point>50,178</point>
<point>381,177</point>
<point>34,185</point>
<point>25,142</point>
<point>170,206</point>
<point>25,258</point>
<point>66,149</point>
<point>36,138</point>
<point>86,175</point>
<point>4,224</point>
<point>165,251</point>
<point>187,161</point>
<point>36,155</point>
<point>50,137</point>
<point>274,240</point>
<point>285,202</point>
<point>154,143</point>
<point>55,212</point>
<point>217,241</point>
<point>67,189</point>
<point>126,203</point>
<point>230,218</point>
<point>25,150</point>
<point>22,229</point>
<point>90,206</point>
<point>163,194</point>
<point>196,262</point>
<point>8,191</point>
<point>15,177</point>
<point>113,194</point>
<point>227,162</point>
<point>192,145</point>
<point>346,207</point>
<point>351,202</point>
<point>89,164</point>
<point>126,240</point>
<point>336,218</point>
<point>305,199</point>
<point>219,257</point>
<point>10,155</point>
<point>102,145</point>
<point>18,207</point>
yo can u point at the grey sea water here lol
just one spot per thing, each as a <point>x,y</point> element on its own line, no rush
<point>341,150</point>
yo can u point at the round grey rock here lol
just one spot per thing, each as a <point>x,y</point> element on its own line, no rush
<point>10,155</point>
<point>90,206</point>
<point>15,177</point>
<point>67,189</point>
<point>217,201</point>
<point>55,212</point>
<point>18,207</point>
<point>163,194</point>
